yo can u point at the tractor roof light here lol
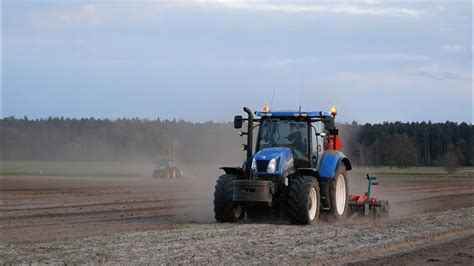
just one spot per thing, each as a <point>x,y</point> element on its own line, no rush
<point>334,111</point>
<point>266,108</point>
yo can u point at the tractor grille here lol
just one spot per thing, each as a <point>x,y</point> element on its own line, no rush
<point>262,165</point>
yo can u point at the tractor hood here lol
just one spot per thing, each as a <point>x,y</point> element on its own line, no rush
<point>282,157</point>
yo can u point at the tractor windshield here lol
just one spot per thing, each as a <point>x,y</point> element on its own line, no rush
<point>165,164</point>
<point>284,133</point>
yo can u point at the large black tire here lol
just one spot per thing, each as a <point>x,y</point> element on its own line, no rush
<point>339,205</point>
<point>225,210</point>
<point>303,200</point>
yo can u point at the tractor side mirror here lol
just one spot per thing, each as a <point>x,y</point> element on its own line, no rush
<point>238,121</point>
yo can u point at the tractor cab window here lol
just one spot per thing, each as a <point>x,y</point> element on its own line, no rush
<point>163,165</point>
<point>284,133</point>
<point>317,142</point>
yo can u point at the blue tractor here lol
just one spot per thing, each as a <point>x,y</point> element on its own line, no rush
<point>297,169</point>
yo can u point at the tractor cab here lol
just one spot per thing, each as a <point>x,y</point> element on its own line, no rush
<point>277,133</point>
<point>164,164</point>
<point>298,137</point>
<point>292,140</point>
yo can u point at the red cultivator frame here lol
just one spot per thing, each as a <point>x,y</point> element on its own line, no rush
<point>366,205</point>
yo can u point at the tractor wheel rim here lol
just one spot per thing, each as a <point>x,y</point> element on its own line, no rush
<point>341,195</point>
<point>313,203</point>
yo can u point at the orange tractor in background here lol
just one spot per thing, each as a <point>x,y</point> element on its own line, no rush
<point>166,169</point>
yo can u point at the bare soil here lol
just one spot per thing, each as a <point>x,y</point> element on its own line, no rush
<point>453,252</point>
<point>64,219</point>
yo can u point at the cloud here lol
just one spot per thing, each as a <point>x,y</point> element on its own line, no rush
<point>329,7</point>
<point>452,48</point>
<point>60,16</point>
<point>389,57</point>
<point>442,72</point>
<point>281,62</point>
<point>408,83</point>
<point>86,14</point>
<point>400,96</point>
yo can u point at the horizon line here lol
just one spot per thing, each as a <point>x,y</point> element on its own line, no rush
<point>179,120</point>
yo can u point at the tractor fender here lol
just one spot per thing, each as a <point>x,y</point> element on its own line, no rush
<point>330,162</point>
<point>233,171</point>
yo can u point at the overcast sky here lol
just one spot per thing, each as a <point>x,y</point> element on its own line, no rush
<point>200,61</point>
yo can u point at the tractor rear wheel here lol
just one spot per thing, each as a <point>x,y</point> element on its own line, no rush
<point>225,210</point>
<point>338,192</point>
<point>303,200</point>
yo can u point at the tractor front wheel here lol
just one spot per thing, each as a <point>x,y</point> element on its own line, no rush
<point>338,192</point>
<point>303,200</point>
<point>225,210</point>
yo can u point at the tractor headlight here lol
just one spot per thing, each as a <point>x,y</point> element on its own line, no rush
<point>272,166</point>
<point>254,165</point>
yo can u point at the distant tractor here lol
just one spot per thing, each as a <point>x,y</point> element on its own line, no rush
<point>297,168</point>
<point>166,169</point>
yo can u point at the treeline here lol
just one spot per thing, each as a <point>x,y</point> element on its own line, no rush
<point>402,145</point>
<point>387,144</point>
<point>115,140</point>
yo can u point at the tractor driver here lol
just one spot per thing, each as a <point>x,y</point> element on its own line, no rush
<point>296,138</point>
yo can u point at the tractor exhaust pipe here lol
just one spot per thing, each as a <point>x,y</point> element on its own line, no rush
<point>248,165</point>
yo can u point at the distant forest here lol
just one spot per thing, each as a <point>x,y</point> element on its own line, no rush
<point>387,144</point>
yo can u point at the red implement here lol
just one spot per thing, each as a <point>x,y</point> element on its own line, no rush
<point>365,204</point>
